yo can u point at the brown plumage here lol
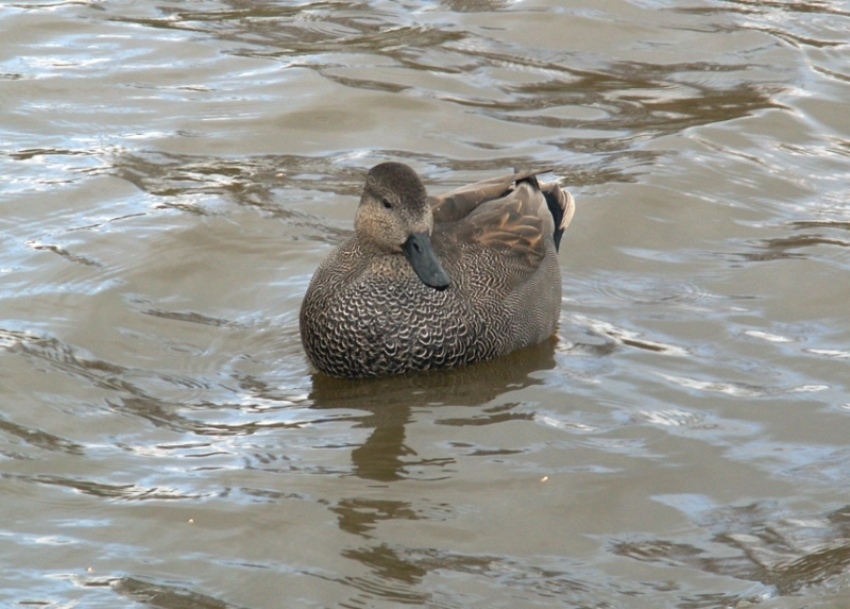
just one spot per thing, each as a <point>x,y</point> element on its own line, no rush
<point>432,282</point>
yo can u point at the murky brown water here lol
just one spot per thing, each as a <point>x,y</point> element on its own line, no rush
<point>174,171</point>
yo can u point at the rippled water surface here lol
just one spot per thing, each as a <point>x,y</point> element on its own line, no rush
<point>174,171</point>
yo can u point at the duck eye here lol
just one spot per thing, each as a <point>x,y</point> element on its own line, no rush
<point>386,203</point>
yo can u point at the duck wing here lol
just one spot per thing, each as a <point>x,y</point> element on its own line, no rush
<point>460,202</point>
<point>514,225</point>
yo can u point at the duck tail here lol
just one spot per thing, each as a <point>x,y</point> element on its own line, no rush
<point>561,205</point>
<point>560,202</point>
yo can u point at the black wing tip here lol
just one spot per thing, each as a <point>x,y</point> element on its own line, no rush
<point>562,207</point>
<point>529,176</point>
<point>530,180</point>
<point>559,201</point>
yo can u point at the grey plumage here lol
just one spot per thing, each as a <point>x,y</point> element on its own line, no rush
<point>490,265</point>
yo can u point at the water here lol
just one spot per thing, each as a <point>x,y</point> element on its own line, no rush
<point>175,171</point>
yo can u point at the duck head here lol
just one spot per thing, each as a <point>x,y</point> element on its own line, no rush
<point>394,217</point>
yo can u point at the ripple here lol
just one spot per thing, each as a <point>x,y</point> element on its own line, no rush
<point>773,338</point>
<point>830,353</point>
<point>37,438</point>
<point>698,424</point>
<point>786,248</point>
<point>643,290</point>
<point>569,583</point>
<point>758,543</point>
<point>57,249</point>
<point>810,463</point>
<point>559,422</point>
<point>165,594</point>
<point>739,389</point>
<point>621,336</point>
<point>106,490</point>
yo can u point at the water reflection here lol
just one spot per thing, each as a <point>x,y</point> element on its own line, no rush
<point>762,544</point>
<point>160,595</point>
<point>390,405</point>
<point>695,100</point>
<point>157,240</point>
<point>38,438</point>
<point>390,402</point>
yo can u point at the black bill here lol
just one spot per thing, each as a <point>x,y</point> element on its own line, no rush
<point>424,261</point>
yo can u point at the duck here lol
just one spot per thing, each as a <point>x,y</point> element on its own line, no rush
<point>432,282</point>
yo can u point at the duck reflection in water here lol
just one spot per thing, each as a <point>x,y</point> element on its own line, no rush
<point>389,403</point>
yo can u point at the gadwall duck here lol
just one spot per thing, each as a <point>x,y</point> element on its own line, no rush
<point>431,282</point>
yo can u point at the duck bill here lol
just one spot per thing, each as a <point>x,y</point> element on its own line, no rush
<point>418,251</point>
